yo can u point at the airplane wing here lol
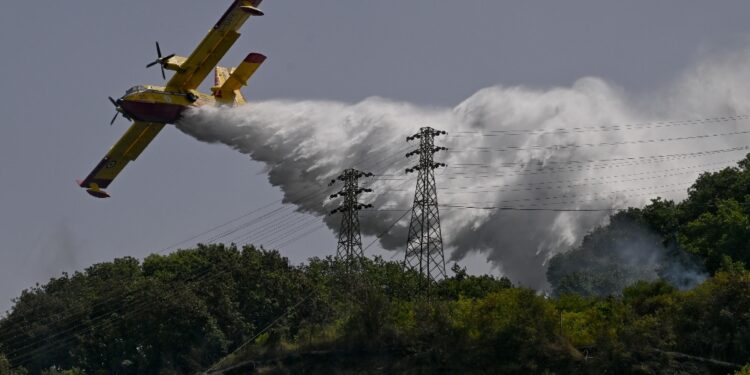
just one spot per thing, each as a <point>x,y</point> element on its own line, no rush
<point>127,149</point>
<point>214,46</point>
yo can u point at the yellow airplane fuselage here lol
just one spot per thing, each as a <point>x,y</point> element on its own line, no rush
<point>155,104</point>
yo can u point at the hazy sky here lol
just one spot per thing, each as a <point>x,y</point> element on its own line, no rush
<point>62,59</point>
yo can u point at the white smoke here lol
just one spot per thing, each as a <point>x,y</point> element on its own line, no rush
<point>306,143</point>
<point>618,255</point>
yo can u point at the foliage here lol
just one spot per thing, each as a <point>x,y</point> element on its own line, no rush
<point>184,311</point>
<point>7,369</point>
<point>719,234</point>
<point>713,221</point>
<point>470,286</point>
<point>620,305</point>
<point>664,239</point>
<point>714,319</point>
<point>175,313</point>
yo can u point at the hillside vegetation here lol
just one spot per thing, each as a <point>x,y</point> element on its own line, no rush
<point>186,311</point>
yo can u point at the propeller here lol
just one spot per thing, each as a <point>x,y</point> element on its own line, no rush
<point>160,60</point>
<point>118,110</point>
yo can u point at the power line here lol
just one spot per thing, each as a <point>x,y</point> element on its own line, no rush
<point>504,208</point>
<point>631,162</point>
<point>536,207</point>
<point>324,191</point>
<point>591,197</point>
<point>270,226</point>
<point>588,200</point>
<point>590,164</point>
<point>283,229</point>
<point>615,193</point>
<point>582,129</point>
<point>327,189</point>
<point>602,144</point>
<point>295,239</point>
<point>531,172</point>
<point>621,159</point>
<point>560,184</point>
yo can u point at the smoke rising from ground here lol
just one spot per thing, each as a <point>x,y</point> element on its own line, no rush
<point>613,257</point>
<point>305,143</point>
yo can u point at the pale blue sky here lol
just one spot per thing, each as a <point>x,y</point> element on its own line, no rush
<point>60,61</point>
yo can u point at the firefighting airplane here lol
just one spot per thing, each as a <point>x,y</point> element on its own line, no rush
<point>151,107</point>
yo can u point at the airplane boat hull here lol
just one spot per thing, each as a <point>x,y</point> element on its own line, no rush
<point>164,113</point>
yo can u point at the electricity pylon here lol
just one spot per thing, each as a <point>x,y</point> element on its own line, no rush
<point>424,247</point>
<point>349,247</point>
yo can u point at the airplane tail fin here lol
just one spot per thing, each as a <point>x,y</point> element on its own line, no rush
<point>227,83</point>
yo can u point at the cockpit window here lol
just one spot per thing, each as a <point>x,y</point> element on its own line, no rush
<point>135,89</point>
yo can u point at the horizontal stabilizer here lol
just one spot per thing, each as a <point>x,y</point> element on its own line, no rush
<point>242,73</point>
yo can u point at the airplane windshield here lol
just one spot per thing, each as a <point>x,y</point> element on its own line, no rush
<point>135,89</point>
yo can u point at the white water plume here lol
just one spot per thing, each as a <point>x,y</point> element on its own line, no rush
<point>590,145</point>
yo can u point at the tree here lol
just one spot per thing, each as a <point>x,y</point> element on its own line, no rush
<point>725,232</point>
<point>4,365</point>
<point>713,320</point>
<point>464,285</point>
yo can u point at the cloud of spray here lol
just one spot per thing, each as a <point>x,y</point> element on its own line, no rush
<point>504,151</point>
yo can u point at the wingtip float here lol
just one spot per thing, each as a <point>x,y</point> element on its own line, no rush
<point>93,190</point>
<point>253,11</point>
<point>151,107</point>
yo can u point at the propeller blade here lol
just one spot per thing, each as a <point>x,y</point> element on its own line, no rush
<point>161,60</point>
<point>114,118</point>
<point>114,103</point>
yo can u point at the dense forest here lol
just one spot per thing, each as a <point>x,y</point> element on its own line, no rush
<point>663,289</point>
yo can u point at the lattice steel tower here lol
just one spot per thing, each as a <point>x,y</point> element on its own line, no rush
<point>424,247</point>
<point>350,242</point>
